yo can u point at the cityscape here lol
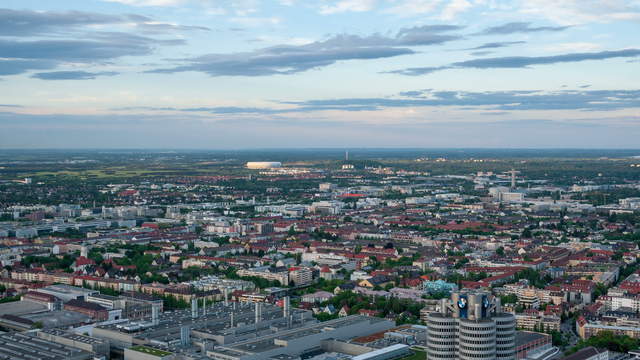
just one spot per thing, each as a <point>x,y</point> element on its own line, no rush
<point>324,254</point>
<point>319,180</point>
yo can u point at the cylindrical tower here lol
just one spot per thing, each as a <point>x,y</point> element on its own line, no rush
<point>505,336</point>
<point>470,326</point>
<point>477,339</point>
<point>442,341</point>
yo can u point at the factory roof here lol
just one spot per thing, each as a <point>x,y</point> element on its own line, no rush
<point>20,346</point>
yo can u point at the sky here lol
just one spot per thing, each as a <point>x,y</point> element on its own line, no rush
<point>234,74</point>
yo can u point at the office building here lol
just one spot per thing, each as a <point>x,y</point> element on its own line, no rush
<point>471,326</point>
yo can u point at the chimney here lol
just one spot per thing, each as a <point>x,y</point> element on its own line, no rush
<point>194,308</point>
<point>154,314</point>
<point>258,312</point>
<point>286,306</point>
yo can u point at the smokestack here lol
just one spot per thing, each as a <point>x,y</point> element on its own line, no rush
<point>233,320</point>
<point>257,310</point>
<point>194,308</point>
<point>154,314</point>
<point>286,306</point>
<point>513,179</point>
<point>204,307</point>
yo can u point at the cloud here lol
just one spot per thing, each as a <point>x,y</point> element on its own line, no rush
<point>416,71</point>
<point>413,7</point>
<point>524,61</point>
<point>19,66</point>
<point>281,60</point>
<point>425,35</point>
<point>520,61</point>
<point>519,27</point>
<point>583,11</point>
<point>106,46</point>
<point>291,59</point>
<point>32,40</point>
<point>481,53</point>
<point>454,7</point>
<point>251,21</point>
<point>240,110</point>
<point>347,6</point>
<point>593,100</point>
<point>32,23</point>
<point>208,7</point>
<point>71,75</point>
<point>496,45</point>
<point>17,57</point>
<point>489,102</point>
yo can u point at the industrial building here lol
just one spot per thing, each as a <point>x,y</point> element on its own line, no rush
<point>471,326</point>
<point>241,331</point>
<point>298,342</point>
<point>67,292</point>
<point>82,342</point>
<point>23,346</point>
<point>202,327</point>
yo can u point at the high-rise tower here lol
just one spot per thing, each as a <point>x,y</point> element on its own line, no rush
<point>471,326</point>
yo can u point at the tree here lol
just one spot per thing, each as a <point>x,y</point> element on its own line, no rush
<point>500,251</point>
<point>326,316</point>
<point>608,340</point>
<point>557,339</point>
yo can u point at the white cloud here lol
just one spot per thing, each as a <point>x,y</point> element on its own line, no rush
<point>571,12</point>
<point>347,6</point>
<point>413,7</point>
<point>454,7</point>
<point>212,7</point>
<point>294,41</point>
<point>256,21</point>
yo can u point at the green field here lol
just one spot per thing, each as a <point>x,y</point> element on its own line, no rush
<point>417,355</point>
